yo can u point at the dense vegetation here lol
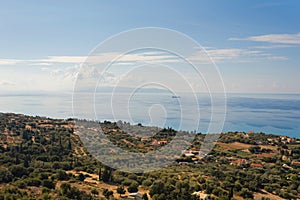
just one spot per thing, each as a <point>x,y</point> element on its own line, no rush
<point>42,158</point>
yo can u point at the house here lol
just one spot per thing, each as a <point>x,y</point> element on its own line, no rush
<point>194,151</point>
<point>202,195</point>
<point>283,138</point>
<point>45,125</point>
<point>145,139</point>
<point>296,163</point>
<point>286,166</point>
<point>291,140</point>
<point>239,162</point>
<point>188,153</point>
<point>155,143</point>
<point>191,153</point>
<point>255,165</point>
<point>135,196</point>
<point>206,197</point>
<point>272,140</point>
<point>162,142</point>
<point>264,155</point>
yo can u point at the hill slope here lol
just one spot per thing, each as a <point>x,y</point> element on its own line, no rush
<point>42,158</point>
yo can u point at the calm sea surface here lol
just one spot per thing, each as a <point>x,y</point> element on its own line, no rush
<point>272,113</point>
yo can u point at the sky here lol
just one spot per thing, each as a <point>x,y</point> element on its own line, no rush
<point>255,44</point>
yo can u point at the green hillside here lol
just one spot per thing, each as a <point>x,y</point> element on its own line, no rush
<point>42,158</point>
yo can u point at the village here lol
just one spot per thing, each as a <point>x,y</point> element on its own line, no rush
<point>270,163</point>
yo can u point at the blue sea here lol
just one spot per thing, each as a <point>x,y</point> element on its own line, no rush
<point>268,113</point>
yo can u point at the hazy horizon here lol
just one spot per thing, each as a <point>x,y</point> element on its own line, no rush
<point>255,49</point>
<point>250,49</point>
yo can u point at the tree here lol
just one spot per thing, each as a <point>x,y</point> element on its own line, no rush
<point>69,144</point>
<point>33,182</point>
<point>65,187</point>
<point>62,175</point>
<point>81,177</point>
<point>230,194</point>
<point>246,193</point>
<point>48,184</point>
<point>107,193</point>
<point>18,171</point>
<point>145,196</point>
<point>133,187</point>
<point>26,163</point>
<point>94,191</point>
<point>5,176</point>
<point>147,183</point>
<point>60,143</point>
<point>100,173</point>
<point>17,159</point>
<point>107,174</point>
<point>255,149</point>
<point>157,188</point>
<point>121,190</point>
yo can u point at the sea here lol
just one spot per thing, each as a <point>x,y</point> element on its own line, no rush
<point>268,113</point>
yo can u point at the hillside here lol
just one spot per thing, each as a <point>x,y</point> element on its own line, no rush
<point>43,158</point>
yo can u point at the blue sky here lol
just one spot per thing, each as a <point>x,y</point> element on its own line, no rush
<point>254,43</point>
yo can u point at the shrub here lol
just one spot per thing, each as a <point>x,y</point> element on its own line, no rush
<point>43,176</point>
<point>132,177</point>
<point>18,171</point>
<point>62,175</point>
<point>65,187</point>
<point>94,191</point>
<point>80,177</point>
<point>246,193</point>
<point>127,182</point>
<point>20,184</point>
<point>5,176</point>
<point>48,184</point>
<point>121,190</point>
<point>133,187</point>
<point>33,182</point>
<point>107,193</point>
<point>145,196</point>
<point>147,183</point>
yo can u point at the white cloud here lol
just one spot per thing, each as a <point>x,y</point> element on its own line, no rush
<point>6,83</point>
<point>132,58</point>
<point>63,59</point>
<point>233,55</point>
<point>155,57</point>
<point>125,59</point>
<point>8,61</point>
<point>293,39</point>
<point>277,58</point>
<point>273,46</point>
<point>44,61</point>
<point>42,64</point>
<point>229,54</point>
<point>68,73</point>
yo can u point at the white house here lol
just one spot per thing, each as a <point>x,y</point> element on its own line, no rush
<point>135,196</point>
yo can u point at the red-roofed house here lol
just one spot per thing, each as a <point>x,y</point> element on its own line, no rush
<point>255,165</point>
<point>296,163</point>
<point>264,155</point>
<point>155,143</point>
